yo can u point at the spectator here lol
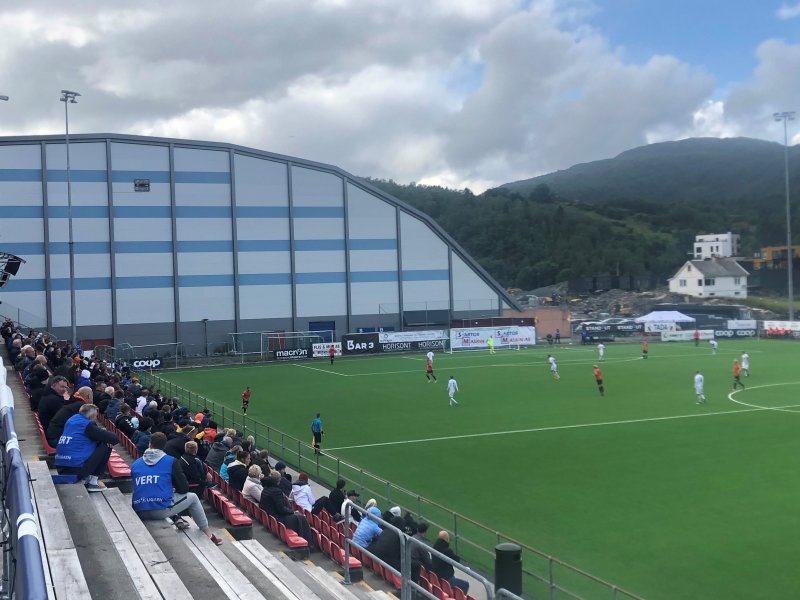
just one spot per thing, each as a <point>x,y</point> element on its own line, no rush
<point>141,401</point>
<point>52,400</point>
<point>84,448</point>
<point>176,444</point>
<point>84,379</point>
<point>336,498</point>
<point>229,458</point>
<point>102,396</point>
<point>387,545</point>
<point>285,483</point>
<point>368,529</point>
<point>275,503</point>
<point>445,570</point>
<point>419,555</point>
<point>262,460</point>
<point>141,437</point>
<point>252,487</point>
<point>123,421</point>
<point>112,410</point>
<point>197,476</point>
<point>161,490</point>
<point>69,409</point>
<point>36,385</point>
<point>217,453</point>
<point>353,496</point>
<point>410,527</point>
<point>301,492</point>
<point>237,470</point>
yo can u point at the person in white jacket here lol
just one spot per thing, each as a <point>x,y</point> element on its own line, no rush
<point>252,486</point>
<point>301,493</point>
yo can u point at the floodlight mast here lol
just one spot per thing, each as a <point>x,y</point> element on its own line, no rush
<point>786,117</point>
<point>69,97</point>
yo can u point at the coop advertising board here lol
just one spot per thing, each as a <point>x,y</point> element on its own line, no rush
<point>478,337</point>
<point>324,350</point>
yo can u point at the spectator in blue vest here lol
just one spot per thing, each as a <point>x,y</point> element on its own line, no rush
<point>84,447</point>
<point>161,490</point>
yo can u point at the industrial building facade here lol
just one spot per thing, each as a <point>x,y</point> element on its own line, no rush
<point>179,240</point>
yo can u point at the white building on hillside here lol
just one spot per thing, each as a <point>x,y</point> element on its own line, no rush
<point>716,245</point>
<point>717,277</point>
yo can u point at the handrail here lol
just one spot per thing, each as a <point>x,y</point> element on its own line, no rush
<point>303,451</point>
<point>23,567</point>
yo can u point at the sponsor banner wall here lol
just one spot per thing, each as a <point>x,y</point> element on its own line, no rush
<point>742,324</point>
<point>147,363</point>
<point>735,333</point>
<point>782,325</point>
<point>477,337</point>
<point>659,327</point>
<point>295,354</point>
<point>322,350</point>
<point>686,336</point>
<point>626,328</point>
<point>360,343</point>
<point>387,337</point>
<point>411,346</point>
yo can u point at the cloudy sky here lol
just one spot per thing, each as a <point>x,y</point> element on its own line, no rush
<point>464,93</point>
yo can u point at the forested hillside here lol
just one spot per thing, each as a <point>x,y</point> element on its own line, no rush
<point>634,214</point>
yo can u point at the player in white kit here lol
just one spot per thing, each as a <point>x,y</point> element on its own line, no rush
<point>746,364</point>
<point>601,351</point>
<point>699,380</point>
<point>553,367</point>
<point>714,345</point>
<point>452,388</point>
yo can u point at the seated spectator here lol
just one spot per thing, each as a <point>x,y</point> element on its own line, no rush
<point>36,384</point>
<point>410,527</point>
<point>195,471</point>
<point>112,410</point>
<point>141,437</point>
<point>84,379</point>
<point>285,482</point>
<point>141,401</point>
<point>353,496</point>
<point>102,396</point>
<point>367,529</point>
<point>161,490</point>
<point>52,399</point>
<point>252,487</point>
<point>419,555</point>
<point>275,503</point>
<point>387,545</point>
<point>230,456</point>
<point>123,421</point>
<point>69,409</point>
<point>217,453</point>
<point>445,570</point>
<point>176,444</point>
<point>262,460</point>
<point>84,448</point>
<point>237,470</point>
<point>301,493</point>
<point>336,498</point>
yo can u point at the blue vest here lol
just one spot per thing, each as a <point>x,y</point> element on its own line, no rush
<point>316,425</point>
<point>74,448</point>
<point>152,486</point>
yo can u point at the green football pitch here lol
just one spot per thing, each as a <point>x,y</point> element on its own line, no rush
<point>643,487</point>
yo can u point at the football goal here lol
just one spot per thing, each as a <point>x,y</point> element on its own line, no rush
<point>290,345</point>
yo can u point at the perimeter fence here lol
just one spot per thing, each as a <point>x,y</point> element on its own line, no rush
<point>544,576</point>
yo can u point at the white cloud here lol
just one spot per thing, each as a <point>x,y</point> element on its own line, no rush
<point>789,11</point>
<point>464,93</point>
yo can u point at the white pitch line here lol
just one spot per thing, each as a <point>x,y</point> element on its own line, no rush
<point>320,370</point>
<point>766,385</point>
<point>559,427</point>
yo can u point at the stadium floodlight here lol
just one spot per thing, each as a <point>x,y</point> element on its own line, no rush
<point>68,97</point>
<point>9,266</point>
<point>786,117</point>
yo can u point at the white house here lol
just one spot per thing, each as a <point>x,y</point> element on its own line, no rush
<point>716,245</point>
<point>717,277</point>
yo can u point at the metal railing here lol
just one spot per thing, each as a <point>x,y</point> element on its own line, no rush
<point>23,568</point>
<point>543,574</point>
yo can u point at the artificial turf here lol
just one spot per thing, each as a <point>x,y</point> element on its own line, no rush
<point>643,487</point>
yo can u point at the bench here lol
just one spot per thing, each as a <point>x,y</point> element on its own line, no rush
<point>61,557</point>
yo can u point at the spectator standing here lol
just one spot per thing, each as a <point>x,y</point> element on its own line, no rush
<point>84,447</point>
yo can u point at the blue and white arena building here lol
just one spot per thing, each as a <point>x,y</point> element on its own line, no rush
<point>175,240</point>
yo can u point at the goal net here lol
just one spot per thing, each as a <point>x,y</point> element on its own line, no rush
<point>289,345</point>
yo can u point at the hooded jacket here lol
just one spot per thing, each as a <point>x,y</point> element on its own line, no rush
<point>112,410</point>
<point>84,380</point>
<point>216,455</point>
<point>302,494</point>
<point>179,482</point>
<point>367,529</point>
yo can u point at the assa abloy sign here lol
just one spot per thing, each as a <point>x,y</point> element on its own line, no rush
<point>147,363</point>
<point>292,354</point>
<point>360,343</point>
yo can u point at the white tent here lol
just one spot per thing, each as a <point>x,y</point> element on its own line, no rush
<point>665,316</point>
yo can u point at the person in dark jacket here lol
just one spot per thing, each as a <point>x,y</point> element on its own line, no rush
<point>176,445</point>
<point>194,470</point>
<point>102,397</point>
<point>275,503</point>
<point>160,489</point>
<point>285,482</point>
<point>141,437</point>
<point>84,447</point>
<point>387,545</point>
<point>261,459</point>
<point>420,556</point>
<point>237,470</point>
<point>123,421</point>
<point>336,497</point>
<point>69,409</point>
<point>217,453</point>
<point>445,570</point>
<point>112,410</point>
<point>52,400</point>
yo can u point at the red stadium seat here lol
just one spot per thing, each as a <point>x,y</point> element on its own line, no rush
<point>273,526</point>
<point>290,538</point>
<point>459,594</point>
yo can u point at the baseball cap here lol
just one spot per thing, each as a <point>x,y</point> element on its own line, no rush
<point>353,493</point>
<point>280,465</point>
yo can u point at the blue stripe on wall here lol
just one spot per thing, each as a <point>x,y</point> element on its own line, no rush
<point>373,276</point>
<point>78,212</point>
<point>23,248</point>
<point>426,275</point>
<point>374,244</point>
<point>265,279</point>
<point>129,176</point>
<point>318,212</point>
<point>81,283</point>
<point>24,285</point>
<point>205,280</point>
<point>202,177</point>
<point>80,247</point>
<point>143,247</point>
<point>21,212</point>
<point>20,174</point>
<point>318,245</point>
<point>149,281</point>
<point>142,212</point>
<point>206,246</point>
<point>263,245</point>
<point>262,212</point>
<point>301,278</point>
<point>76,175</point>
<point>203,212</point>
